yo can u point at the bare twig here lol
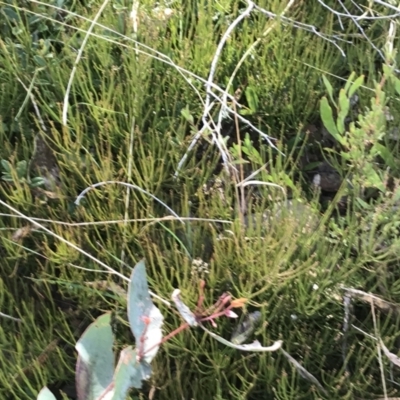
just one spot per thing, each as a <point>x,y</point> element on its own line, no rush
<point>74,246</point>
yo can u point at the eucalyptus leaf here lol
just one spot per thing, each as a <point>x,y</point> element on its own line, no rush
<point>95,366</point>
<point>145,319</point>
<point>129,373</point>
<point>45,394</point>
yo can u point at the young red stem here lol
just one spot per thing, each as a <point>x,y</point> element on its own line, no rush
<point>216,315</point>
<point>218,310</point>
<point>140,350</point>
<point>217,307</point>
<point>169,336</point>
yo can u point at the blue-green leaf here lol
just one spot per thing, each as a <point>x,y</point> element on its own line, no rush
<point>129,373</point>
<point>144,317</point>
<point>45,394</point>
<point>95,366</point>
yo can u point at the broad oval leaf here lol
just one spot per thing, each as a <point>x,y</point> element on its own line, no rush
<point>145,319</point>
<point>129,373</point>
<point>95,366</point>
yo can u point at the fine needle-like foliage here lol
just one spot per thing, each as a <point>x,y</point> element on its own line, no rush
<point>245,150</point>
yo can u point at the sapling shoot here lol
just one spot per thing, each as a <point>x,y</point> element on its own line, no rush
<point>96,377</point>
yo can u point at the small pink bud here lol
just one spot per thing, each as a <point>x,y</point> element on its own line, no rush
<point>230,314</point>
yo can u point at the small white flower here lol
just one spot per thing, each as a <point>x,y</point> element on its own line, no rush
<point>200,266</point>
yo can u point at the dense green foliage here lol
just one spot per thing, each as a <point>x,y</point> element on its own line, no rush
<point>130,119</point>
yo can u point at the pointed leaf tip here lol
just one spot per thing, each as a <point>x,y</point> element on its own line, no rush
<point>183,309</point>
<point>45,394</point>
